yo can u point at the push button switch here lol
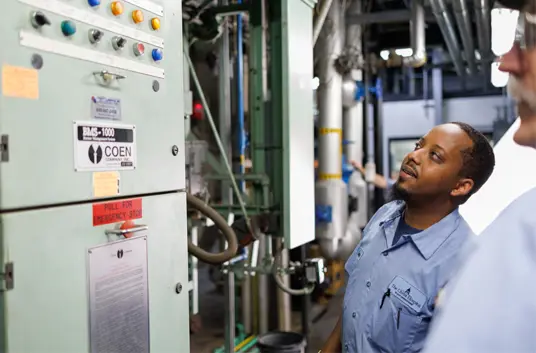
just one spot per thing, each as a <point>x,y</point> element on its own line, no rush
<point>118,42</point>
<point>68,28</point>
<point>95,35</point>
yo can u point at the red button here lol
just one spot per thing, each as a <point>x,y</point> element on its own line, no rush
<point>139,49</point>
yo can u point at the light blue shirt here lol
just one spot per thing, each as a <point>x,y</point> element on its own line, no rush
<point>406,277</point>
<point>490,306</point>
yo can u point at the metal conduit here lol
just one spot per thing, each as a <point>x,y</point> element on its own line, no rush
<point>463,20</point>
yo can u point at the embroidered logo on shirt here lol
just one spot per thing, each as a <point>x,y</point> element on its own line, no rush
<point>407,294</point>
<point>360,253</point>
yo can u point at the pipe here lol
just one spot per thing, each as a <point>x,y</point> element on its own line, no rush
<point>483,30</point>
<point>330,190</point>
<point>221,223</point>
<point>463,19</point>
<point>320,19</point>
<point>240,94</point>
<point>444,21</point>
<point>417,36</point>
<point>215,132</point>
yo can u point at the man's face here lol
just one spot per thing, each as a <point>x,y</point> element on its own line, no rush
<point>521,65</point>
<point>433,168</point>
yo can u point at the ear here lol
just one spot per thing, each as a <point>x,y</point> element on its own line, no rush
<point>462,188</point>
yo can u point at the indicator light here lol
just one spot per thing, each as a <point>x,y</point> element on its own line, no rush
<point>94,3</point>
<point>157,54</point>
<point>139,49</point>
<point>117,8</point>
<point>137,16</point>
<point>68,28</point>
<point>155,23</point>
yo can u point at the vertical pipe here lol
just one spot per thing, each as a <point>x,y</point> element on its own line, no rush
<point>306,299</point>
<point>240,94</point>
<point>283,299</point>
<point>195,274</point>
<point>224,106</point>
<point>377,102</point>
<point>263,288</point>
<point>437,86</point>
<point>230,312</point>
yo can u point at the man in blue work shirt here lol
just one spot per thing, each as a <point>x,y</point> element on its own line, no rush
<point>409,247</point>
<point>490,305</point>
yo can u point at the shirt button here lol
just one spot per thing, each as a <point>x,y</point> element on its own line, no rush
<point>385,253</point>
<point>368,284</point>
<point>354,314</point>
<point>346,347</point>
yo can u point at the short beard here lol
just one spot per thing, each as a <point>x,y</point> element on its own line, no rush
<point>396,193</point>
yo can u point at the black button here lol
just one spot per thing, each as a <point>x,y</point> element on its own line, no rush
<point>385,253</point>
<point>354,314</point>
<point>368,283</point>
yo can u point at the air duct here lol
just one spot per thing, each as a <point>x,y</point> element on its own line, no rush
<point>444,21</point>
<point>418,37</point>
<point>463,19</point>
<point>331,197</point>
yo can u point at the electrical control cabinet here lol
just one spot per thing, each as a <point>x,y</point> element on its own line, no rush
<point>66,63</point>
<point>92,205</point>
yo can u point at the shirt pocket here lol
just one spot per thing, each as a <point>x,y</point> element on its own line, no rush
<point>393,327</point>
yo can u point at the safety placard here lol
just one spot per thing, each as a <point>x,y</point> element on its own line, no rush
<point>104,146</point>
<point>116,211</point>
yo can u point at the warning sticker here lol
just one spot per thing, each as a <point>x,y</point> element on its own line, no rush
<point>104,146</point>
<point>116,211</point>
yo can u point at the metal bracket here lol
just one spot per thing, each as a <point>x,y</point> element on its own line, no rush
<point>7,277</point>
<point>4,148</point>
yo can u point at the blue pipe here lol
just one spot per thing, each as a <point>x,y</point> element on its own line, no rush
<point>240,96</point>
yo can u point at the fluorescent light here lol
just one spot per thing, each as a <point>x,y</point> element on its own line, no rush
<point>403,52</point>
<point>503,30</point>
<point>498,78</point>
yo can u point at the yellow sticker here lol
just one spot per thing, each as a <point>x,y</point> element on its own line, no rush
<point>20,82</point>
<point>106,184</point>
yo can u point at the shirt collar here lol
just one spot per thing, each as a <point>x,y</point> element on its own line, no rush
<point>430,239</point>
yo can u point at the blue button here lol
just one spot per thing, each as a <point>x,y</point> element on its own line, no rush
<point>94,3</point>
<point>157,54</point>
<point>68,28</point>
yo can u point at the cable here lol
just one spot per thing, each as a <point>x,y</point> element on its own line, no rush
<point>279,282</point>
<point>219,221</point>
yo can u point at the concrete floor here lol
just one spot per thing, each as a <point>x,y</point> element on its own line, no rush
<point>212,311</point>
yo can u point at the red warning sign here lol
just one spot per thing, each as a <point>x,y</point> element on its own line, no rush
<point>116,211</point>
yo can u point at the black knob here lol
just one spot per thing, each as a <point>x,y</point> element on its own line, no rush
<point>39,19</point>
<point>118,42</point>
<point>95,35</point>
<point>121,42</point>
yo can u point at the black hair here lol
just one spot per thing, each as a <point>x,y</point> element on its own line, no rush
<point>478,161</point>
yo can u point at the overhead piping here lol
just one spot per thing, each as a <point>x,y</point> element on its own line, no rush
<point>483,28</point>
<point>444,21</point>
<point>320,19</point>
<point>461,14</point>
<point>418,37</point>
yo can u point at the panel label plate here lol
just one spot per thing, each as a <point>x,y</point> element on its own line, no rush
<point>105,108</point>
<point>118,296</point>
<point>104,146</point>
<point>116,211</point>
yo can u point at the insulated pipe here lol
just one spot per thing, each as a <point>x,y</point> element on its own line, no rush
<point>444,21</point>
<point>320,19</point>
<point>463,19</point>
<point>418,36</point>
<point>240,95</point>
<point>330,190</point>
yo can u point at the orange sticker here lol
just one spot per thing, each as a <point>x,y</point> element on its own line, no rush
<point>116,211</point>
<point>20,82</point>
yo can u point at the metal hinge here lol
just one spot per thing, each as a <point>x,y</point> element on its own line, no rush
<point>7,277</point>
<point>4,148</point>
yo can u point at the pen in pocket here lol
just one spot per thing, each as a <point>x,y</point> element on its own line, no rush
<point>398,318</point>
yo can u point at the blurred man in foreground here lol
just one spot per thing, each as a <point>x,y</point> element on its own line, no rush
<point>410,246</point>
<point>490,305</point>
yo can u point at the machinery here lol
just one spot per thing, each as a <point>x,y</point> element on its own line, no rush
<point>96,84</point>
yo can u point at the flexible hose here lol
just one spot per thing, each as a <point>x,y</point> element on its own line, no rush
<point>279,282</point>
<point>219,221</point>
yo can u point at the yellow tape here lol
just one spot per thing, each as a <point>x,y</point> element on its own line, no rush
<point>328,130</point>
<point>243,343</point>
<point>329,176</point>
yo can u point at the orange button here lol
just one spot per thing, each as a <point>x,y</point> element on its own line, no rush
<point>137,16</point>
<point>117,8</point>
<point>155,23</point>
